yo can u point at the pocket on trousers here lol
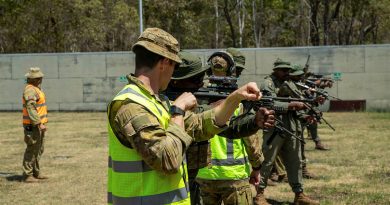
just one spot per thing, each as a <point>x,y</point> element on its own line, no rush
<point>28,136</point>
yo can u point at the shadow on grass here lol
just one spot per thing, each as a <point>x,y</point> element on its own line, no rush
<point>12,176</point>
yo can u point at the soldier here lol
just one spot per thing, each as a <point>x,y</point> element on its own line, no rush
<point>34,124</point>
<point>148,135</point>
<point>239,59</point>
<point>188,77</point>
<point>289,89</point>
<point>234,161</point>
<point>275,142</point>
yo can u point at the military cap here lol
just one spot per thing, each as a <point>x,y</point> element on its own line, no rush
<point>279,63</point>
<point>222,61</point>
<point>191,65</point>
<point>34,72</point>
<point>238,57</point>
<point>160,42</point>
<point>296,70</point>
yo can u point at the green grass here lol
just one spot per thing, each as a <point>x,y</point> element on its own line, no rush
<point>355,171</point>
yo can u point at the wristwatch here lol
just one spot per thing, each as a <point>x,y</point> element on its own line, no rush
<point>174,110</point>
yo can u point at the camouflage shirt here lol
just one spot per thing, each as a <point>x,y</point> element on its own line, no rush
<point>31,97</point>
<point>292,119</point>
<point>162,149</point>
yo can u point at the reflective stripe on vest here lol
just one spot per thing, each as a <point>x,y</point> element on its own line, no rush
<point>130,179</point>
<point>229,159</point>
<point>40,106</point>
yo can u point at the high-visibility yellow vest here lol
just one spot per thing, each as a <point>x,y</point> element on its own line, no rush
<point>40,105</point>
<point>130,179</point>
<point>228,159</point>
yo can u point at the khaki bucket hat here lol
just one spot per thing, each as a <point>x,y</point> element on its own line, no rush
<point>34,72</point>
<point>279,63</point>
<point>160,42</point>
<point>191,66</point>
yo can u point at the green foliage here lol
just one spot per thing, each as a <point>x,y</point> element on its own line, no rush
<point>113,25</point>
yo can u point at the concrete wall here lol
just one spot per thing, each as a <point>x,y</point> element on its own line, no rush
<point>87,81</point>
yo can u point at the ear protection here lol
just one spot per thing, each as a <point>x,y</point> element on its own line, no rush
<point>229,58</point>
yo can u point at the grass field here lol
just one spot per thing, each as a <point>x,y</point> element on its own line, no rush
<point>355,171</point>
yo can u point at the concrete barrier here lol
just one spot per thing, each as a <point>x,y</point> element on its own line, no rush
<point>88,81</point>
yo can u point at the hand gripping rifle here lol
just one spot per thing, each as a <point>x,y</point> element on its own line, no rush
<point>313,112</point>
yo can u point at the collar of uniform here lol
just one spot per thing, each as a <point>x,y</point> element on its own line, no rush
<point>132,79</point>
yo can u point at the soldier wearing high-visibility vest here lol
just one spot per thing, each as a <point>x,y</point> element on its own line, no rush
<point>34,124</point>
<point>233,161</point>
<point>148,135</point>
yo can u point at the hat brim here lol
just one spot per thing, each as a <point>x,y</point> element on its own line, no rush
<point>282,67</point>
<point>297,73</point>
<point>158,50</point>
<point>189,75</point>
<point>37,75</point>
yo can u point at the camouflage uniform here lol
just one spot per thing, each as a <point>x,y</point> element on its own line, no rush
<point>161,149</point>
<point>33,136</point>
<point>288,146</point>
<point>199,153</point>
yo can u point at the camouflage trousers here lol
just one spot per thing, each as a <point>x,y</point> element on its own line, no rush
<point>289,149</point>
<point>34,140</point>
<point>230,192</point>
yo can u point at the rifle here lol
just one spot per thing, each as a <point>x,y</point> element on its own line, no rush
<point>306,68</point>
<point>268,102</point>
<point>318,91</point>
<point>219,88</point>
<point>316,113</point>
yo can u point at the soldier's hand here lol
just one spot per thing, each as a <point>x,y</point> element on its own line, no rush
<point>310,119</point>
<point>255,177</point>
<point>249,91</point>
<point>294,105</point>
<point>185,101</point>
<point>320,99</point>
<point>42,127</point>
<point>265,118</point>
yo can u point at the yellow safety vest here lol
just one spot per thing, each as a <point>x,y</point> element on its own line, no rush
<point>40,105</point>
<point>228,159</point>
<point>130,179</point>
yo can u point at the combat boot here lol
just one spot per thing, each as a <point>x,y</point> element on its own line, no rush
<point>260,198</point>
<point>302,199</point>
<point>306,174</point>
<point>320,146</point>
<point>30,179</point>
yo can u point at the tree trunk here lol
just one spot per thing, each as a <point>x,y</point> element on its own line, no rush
<point>230,23</point>
<point>216,24</point>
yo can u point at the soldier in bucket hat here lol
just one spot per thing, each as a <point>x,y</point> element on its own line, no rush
<point>148,135</point>
<point>34,124</point>
<point>276,143</point>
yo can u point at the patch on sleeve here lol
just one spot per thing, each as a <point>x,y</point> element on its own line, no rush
<point>142,121</point>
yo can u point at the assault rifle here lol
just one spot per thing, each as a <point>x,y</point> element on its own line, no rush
<point>318,91</point>
<point>267,101</point>
<point>218,88</point>
<point>313,112</point>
